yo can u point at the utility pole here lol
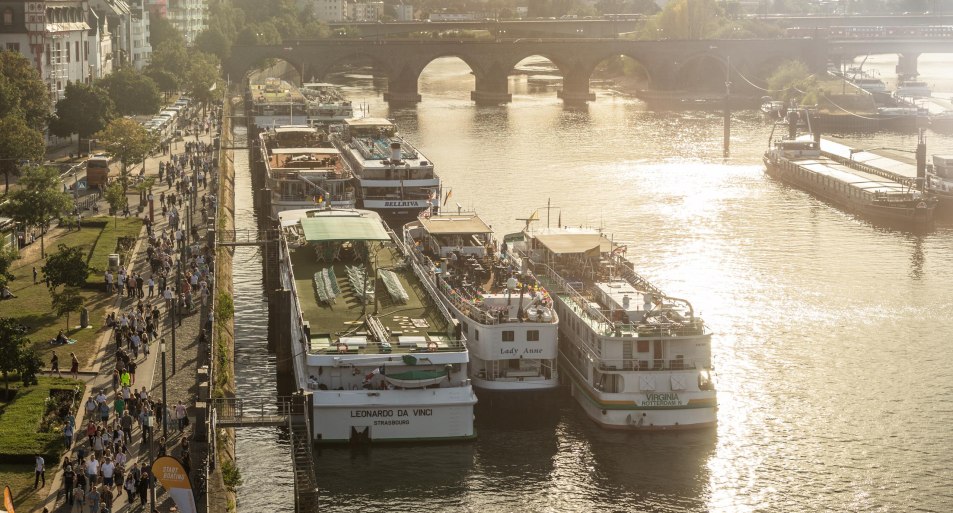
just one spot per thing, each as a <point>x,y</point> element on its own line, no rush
<point>727,141</point>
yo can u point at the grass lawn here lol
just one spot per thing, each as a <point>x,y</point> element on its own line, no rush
<point>20,480</point>
<point>32,305</point>
<point>20,439</point>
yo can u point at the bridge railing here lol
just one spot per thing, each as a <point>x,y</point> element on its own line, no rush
<point>237,408</point>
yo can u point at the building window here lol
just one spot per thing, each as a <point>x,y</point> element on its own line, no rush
<point>643,346</point>
<point>532,335</point>
<point>508,336</point>
<point>47,55</point>
<point>13,47</point>
<point>85,50</point>
<point>77,51</point>
<point>7,17</point>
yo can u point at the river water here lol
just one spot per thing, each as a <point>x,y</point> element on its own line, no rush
<point>832,346</point>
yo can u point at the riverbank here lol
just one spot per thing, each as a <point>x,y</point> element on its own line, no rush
<point>221,484</point>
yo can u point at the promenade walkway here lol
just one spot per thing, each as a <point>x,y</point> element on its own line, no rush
<point>191,350</point>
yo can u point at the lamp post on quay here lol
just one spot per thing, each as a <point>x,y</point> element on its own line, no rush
<point>165,406</point>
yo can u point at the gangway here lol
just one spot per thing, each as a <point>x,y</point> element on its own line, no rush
<point>286,411</point>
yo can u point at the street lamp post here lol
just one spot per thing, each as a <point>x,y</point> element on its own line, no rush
<point>165,405</point>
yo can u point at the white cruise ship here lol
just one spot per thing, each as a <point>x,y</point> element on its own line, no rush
<point>326,104</point>
<point>636,357</point>
<point>304,170</point>
<point>508,319</point>
<point>391,177</point>
<point>383,357</point>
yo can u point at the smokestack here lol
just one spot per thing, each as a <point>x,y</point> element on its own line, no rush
<point>395,152</point>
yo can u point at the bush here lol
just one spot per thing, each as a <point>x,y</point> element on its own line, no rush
<point>26,428</point>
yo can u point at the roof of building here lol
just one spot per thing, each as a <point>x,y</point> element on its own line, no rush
<point>326,228</point>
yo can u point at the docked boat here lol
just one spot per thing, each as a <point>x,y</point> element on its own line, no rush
<point>391,177</point>
<point>771,108</point>
<point>384,359</point>
<point>912,89</point>
<point>303,169</point>
<point>508,318</point>
<point>636,358</point>
<point>275,102</point>
<point>846,181</point>
<point>870,84</point>
<point>326,104</point>
<point>940,182</point>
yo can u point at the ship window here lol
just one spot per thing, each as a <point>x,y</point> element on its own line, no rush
<point>464,327</point>
<point>643,346</point>
<point>476,334</point>
<point>508,336</point>
<point>532,335</point>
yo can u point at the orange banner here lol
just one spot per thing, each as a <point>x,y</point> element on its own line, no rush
<point>172,476</point>
<point>8,499</point>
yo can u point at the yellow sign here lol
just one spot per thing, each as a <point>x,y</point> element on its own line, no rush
<point>173,477</point>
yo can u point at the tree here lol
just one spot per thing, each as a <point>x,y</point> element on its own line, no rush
<point>13,342</point>
<point>203,77</point>
<point>213,41</point>
<point>793,79</point>
<point>39,200</point>
<point>685,19</point>
<point>129,142</point>
<point>67,302</point>
<point>84,110</point>
<point>132,92</point>
<point>23,90</point>
<point>117,199</point>
<point>18,142</point>
<point>161,30</point>
<point>167,82</point>
<point>7,256</point>
<point>66,267</point>
<point>30,365</point>
<point>170,56</point>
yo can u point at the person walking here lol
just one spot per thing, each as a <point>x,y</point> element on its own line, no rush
<point>74,366</point>
<point>40,470</point>
<point>143,486</point>
<point>69,480</point>
<point>55,365</point>
<point>68,435</point>
<point>79,498</point>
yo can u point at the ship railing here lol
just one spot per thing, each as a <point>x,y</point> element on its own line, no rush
<point>651,364</point>
<point>423,277</point>
<point>860,166</point>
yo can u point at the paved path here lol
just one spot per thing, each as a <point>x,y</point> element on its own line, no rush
<point>180,385</point>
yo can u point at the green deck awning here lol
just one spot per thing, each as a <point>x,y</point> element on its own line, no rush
<point>341,228</point>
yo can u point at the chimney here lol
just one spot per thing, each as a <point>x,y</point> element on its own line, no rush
<point>395,153</point>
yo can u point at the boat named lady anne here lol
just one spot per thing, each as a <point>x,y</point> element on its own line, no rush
<point>384,359</point>
<point>509,321</point>
<point>392,178</point>
<point>636,357</point>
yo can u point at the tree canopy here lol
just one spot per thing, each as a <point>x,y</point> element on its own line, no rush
<point>66,267</point>
<point>39,200</point>
<point>66,302</point>
<point>18,142</point>
<point>203,77</point>
<point>84,110</point>
<point>129,142</point>
<point>13,344</point>
<point>22,91</point>
<point>8,255</point>
<point>132,92</point>
<point>793,80</point>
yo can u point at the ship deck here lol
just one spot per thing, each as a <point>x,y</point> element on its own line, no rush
<point>414,326</point>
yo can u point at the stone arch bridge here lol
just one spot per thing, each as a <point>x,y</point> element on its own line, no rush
<point>491,61</point>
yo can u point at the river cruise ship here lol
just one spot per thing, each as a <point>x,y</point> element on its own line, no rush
<point>275,102</point>
<point>508,318</point>
<point>383,357</point>
<point>863,189</point>
<point>303,169</point>
<point>635,357</point>
<point>392,178</point>
<point>326,104</point>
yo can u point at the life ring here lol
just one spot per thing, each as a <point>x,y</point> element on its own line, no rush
<point>432,347</point>
<point>342,348</point>
<point>921,205</point>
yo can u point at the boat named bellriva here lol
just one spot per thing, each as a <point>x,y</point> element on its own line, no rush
<point>384,359</point>
<point>508,318</point>
<point>636,357</point>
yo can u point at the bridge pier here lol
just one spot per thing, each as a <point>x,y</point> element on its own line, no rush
<point>402,90</point>
<point>576,88</point>
<point>907,64</point>
<point>491,90</point>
